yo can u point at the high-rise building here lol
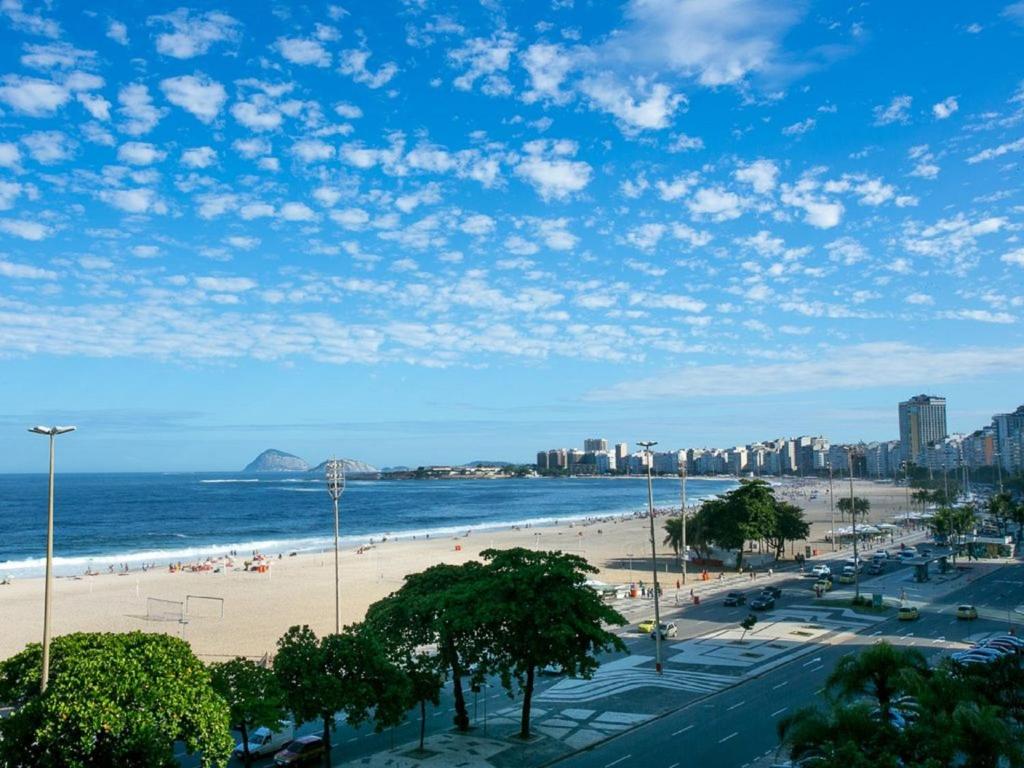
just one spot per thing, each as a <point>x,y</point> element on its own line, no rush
<point>542,460</point>
<point>622,455</point>
<point>922,421</point>
<point>1010,439</point>
<point>595,444</point>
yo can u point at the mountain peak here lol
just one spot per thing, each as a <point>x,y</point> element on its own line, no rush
<point>273,460</point>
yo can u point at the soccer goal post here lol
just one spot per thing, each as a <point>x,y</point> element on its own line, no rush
<point>158,609</point>
<point>204,607</point>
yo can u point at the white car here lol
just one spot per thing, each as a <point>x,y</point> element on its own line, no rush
<point>264,742</point>
<point>821,570</point>
<point>881,554</point>
<point>908,554</point>
<point>667,631</point>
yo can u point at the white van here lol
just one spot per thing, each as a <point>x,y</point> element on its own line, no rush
<point>264,741</point>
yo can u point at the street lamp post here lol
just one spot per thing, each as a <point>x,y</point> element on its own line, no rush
<point>654,554</point>
<point>853,514</point>
<point>832,505</point>
<point>51,432</point>
<point>682,512</point>
<point>336,487</point>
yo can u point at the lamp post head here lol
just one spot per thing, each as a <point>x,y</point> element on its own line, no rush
<point>51,431</point>
<point>335,478</point>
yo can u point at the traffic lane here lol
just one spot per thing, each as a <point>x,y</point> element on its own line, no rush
<point>745,717</point>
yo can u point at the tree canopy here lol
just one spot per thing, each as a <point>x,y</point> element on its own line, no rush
<point>253,694</point>
<point>542,612</point>
<point>112,699</point>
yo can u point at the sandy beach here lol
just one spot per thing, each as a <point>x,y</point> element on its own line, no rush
<point>259,607</point>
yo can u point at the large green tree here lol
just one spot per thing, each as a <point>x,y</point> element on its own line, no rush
<point>253,694</point>
<point>882,671</point>
<point>954,523</point>
<point>348,672</point>
<point>112,700</point>
<point>540,611</point>
<point>861,505</point>
<point>439,607</point>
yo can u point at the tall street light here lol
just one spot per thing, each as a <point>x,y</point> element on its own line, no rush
<point>853,514</point>
<point>52,432</point>
<point>336,487</point>
<point>832,505</point>
<point>682,510</point>
<point>647,445</point>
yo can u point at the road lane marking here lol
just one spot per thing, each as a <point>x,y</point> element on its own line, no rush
<point>819,692</point>
<point>722,741</point>
<point>779,711</point>
<point>816,668</point>
<point>739,704</point>
<point>815,660</point>
<point>616,762</point>
<point>682,730</point>
<point>776,687</point>
<point>674,765</point>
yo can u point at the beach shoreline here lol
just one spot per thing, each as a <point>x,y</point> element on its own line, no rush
<point>258,607</point>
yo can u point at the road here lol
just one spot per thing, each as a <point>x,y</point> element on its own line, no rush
<point>737,726</point>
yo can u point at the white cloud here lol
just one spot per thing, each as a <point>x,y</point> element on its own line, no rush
<point>477,224</point>
<point>140,200</point>
<point>49,147</point>
<point>717,203</point>
<point>57,56</point>
<point>847,251</point>
<point>242,242</point>
<point>945,108</point>
<point>96,106</point>
<point>32,96</point>
<point>193,34</point>
<point>677,188</point>
<point>485,59</point>
<point>259,113</point>
<point>10,155</point>
<point>348,111</point>
<point>1002,149</point>
<point>250,148</point>
<point>646,236</point>
<point>303,51</point>
<point>145,251</point>
<point>138,110</point>
<point>684,143</point>
<point>549,168</point>
<point>28,22</point>
<point>896,111</point>
<point>24,271</point>
<point>762,175</point>
<point>27,230</point>
<point>118,32</point>
<point>251,211</point>
<point>920,299</point>
<point>979,315</point>
<point>312,150</point>
<point>198,94</point>
<point>353,63</point>
<point>351,218</point>
<point>717,43</point>
<point>1014,257</point>
<point>548,66</point>
<point>199,157</point>
<point>644,106</point>
<point>800,128</point>
<point>226,284</point>
<point>1015,12</point>
<point>139,153</point>
<point>297,212</point>
<point>859,366</point>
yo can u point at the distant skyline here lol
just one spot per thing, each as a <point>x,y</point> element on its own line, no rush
<point>432,232</point>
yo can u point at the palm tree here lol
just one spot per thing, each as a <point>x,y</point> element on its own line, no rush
<point>842,736</point>
<point>881,672</point>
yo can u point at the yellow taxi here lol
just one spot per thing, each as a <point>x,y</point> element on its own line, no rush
<point>824,585</point>
<point>908,613</point>
<point>966,612</point>
<point>645,627</point>
<point>847,578</point>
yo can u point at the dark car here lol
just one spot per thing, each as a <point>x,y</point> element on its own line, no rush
<point>735,598</point>
<point>775,592</point>
<point>308,750</point>
<point>762,603</point>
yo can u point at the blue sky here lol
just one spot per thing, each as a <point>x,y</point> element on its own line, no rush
<point>419,231</point>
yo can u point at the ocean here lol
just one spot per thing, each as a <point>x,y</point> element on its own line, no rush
<point>103,519</point>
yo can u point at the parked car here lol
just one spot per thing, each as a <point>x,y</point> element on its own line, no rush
<point>966,612</point>
<point>667,631</point>
<point>821,570</point>
<point>1011,639</point>
<point>264,741</point>
<point>735,598</point>
<point>306,750</point>
<point>978,654</point>
<point>996,644</point>
<point>645,627</point>
<point>908,613</point>
<point>762,603</point>
<point>775,592</point>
